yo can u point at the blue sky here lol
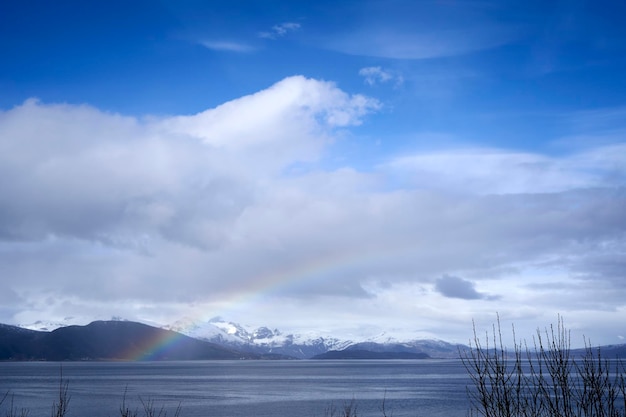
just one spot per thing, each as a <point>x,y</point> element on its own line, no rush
<point>470,67</point>
<point>452,159</point>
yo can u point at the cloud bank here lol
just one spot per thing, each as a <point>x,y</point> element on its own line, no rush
<point>231,209</point>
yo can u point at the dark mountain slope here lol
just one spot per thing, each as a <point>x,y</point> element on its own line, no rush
<point>430,348</point>
<point>366,354</point>
<point>606,352</point>
<point>17,343</point>
<point>108,340</point>
<point>129,341</point>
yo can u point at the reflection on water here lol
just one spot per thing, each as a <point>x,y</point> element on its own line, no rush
<point>242,388</point>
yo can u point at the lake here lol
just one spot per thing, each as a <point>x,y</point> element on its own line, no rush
<point>241,388</point>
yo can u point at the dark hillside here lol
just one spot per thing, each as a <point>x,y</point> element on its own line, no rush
<point>606,352</point>
<point>366,354</point>
<point>108,340</point>
<point>17,343</point>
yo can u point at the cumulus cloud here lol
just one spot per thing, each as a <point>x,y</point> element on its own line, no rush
<point>83,173</point>
<point>153,216</point>
<point>295,100</point>
<point>288,122</point>
<point>280,30</point>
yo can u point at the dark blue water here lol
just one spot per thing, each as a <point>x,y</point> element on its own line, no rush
<point>241,388</point>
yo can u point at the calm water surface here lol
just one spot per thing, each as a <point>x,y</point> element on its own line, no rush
<point>241,388</point>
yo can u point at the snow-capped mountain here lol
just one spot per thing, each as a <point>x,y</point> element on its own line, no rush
<point>260,339</point>
<point>48,326</point>
<point>302,345</point>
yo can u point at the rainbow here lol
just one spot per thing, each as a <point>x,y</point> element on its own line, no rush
<point>153,348</point>
<point>273,282</point>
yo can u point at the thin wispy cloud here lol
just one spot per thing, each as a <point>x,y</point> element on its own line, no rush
<point>228,46</point>
<point>421,30</point>
<point>390,43</point>
<point>280,30</point>
<point>378,75</point>
<point>493,171</point>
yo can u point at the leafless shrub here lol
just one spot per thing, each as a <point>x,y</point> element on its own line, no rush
<point>149,407</point>
<point>542,381</point>
<point>60,408</point>
<point>383,406</point>
<point>13,411</point>
<point>124,410</point>
<point>349,409</point>
<point>151,410</point>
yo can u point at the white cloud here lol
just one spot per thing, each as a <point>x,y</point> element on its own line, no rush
<point>280,30</point>
<point>229,46</point>
<point>181,177</point>
<point>402,45</point>
<point>419,30</point>
<point>487,171</point>
<point>154,216</point>
<point>288,122</point>
<point>375,75</point>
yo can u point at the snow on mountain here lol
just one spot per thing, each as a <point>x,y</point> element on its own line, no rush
<point>258,340</point>
<point>203,331</point>
<point>433,347</point>
<point>48,326</point>
<point>303,345</point>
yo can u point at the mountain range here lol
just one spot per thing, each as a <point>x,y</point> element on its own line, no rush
<point>214,339</point>
<point>108,340</point>
<point>259,340</point>
<point>263,340</point>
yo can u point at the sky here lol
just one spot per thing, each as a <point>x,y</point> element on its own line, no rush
<point>355,167</point>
